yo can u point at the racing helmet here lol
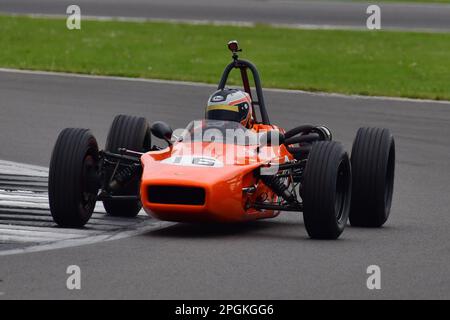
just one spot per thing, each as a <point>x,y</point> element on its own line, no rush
<point>230,105</point>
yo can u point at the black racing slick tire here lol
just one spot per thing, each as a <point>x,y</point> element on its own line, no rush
<point>373,165</point>
<point>132,133</point>
<point>326,190</point>
<point>73,178</point>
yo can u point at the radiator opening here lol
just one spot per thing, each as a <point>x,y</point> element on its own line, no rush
<point>176,195</point>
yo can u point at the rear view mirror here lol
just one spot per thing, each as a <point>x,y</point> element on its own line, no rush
<point>162,130</point>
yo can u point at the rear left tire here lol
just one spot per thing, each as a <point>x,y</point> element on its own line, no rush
<point>373,165</point>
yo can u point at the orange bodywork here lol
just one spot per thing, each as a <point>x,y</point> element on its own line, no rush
<point>224,198</point>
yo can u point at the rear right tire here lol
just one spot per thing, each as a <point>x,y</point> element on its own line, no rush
<point>132,133</point>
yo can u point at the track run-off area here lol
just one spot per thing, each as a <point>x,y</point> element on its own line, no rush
<point>26,224</point>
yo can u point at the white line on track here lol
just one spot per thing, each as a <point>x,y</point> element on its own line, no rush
<point>26,224</point>
<point>11,167</point>
<point>245,24</point>
<point>201,84</point>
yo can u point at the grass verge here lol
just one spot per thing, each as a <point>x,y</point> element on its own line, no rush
<point>415,65</point>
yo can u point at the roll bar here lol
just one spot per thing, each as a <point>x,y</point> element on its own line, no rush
<point>243,65</point>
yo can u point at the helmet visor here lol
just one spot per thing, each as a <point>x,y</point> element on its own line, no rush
<point>226,112</point>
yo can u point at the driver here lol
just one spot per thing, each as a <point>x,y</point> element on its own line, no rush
<point>230,105</point>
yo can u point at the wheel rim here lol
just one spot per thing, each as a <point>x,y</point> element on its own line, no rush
<point>342,190</point>
<point>88,190</point>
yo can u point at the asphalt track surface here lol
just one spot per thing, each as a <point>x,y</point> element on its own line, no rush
<point>26,224</point>
<point>306,13</point>
<point>262,260</point>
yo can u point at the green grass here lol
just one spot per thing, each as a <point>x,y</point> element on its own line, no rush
<point>358,62</point>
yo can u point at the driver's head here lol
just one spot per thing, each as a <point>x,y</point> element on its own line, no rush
<point>230,105</point>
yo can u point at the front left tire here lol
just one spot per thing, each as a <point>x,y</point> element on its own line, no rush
<point>326,190</point>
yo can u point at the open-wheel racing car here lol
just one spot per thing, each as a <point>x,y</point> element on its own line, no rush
<point>199,176</point>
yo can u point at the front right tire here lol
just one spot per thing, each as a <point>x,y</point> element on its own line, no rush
<point>73,178</point>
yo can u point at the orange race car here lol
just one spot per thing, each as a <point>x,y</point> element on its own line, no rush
<point>232,166</point>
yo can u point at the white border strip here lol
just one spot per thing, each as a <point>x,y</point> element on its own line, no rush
<point>17,168</point>
<point>202,84</point>
<point>232,23</point>
<point>153,225</point>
